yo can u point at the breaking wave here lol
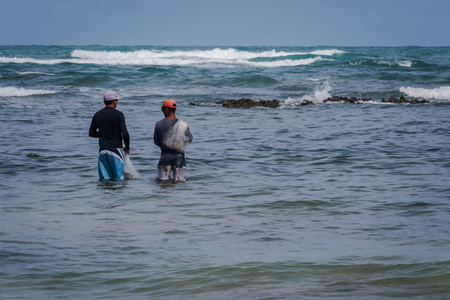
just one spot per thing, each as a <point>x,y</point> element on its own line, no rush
<point>372,62</point>
<point>217,56</point>
<point>441,93</point>
<point>321,93</point>
<point>329,52</point>
<point>36,73</point>
<point>29,60</point>
<point>21,92</point>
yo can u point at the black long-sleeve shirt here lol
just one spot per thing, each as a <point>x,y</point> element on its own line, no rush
<point>108,124</point>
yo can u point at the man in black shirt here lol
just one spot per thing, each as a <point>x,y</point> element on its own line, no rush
<point>108,125</point>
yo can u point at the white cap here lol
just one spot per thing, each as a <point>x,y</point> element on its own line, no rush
<point>110,95</point>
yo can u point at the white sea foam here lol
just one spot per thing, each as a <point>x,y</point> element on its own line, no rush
<point>401,63</point>
<point>442,92</point>
<point>287,62</point>
<point>21,92</point>
<point>320,93</point>
<point>214,54</point>
<point>318,79</point>
<point>329,52</point>
<point>35,73</point>
<point>217,56</point>
<point>405,63</point>
<point>195,57</point>
<point>28,60</point>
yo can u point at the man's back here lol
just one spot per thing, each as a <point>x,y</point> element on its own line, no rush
<point>162,128</point>
<point>111,126</point>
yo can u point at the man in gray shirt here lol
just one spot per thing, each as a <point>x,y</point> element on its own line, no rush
<point>171,135</point>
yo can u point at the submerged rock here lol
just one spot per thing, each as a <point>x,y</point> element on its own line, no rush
<point>341,99</point>
<point>249,103</point>
<point>403,100</point>
<point>417,101</point>
<point>306,102</point>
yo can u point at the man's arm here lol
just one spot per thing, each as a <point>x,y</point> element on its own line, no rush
<point>189,136</point>
<point>125,135</point>
<point>93,132</point>
<point>156,139</point>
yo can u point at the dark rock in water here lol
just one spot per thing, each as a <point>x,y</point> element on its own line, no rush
<point>306,102</point>
<point>249,103</point>
<point>341,99</point>
<point>417,101</point>
<point>403,100</point>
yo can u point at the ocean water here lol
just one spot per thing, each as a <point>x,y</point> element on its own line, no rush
<point>325,201</point>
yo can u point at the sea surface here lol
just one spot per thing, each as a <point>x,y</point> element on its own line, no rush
<point>325,201</point>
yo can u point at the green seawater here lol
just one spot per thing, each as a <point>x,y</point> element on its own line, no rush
<point>331,201</point>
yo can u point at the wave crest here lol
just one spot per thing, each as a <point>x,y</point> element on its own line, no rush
<point>216,56</point>
<point>373,62</point>
<point>21,92</point>
<point>195,57</point>
<point>441,93</point>
<point>320,93</point>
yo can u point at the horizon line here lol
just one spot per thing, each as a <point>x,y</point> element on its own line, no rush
<point>155,45</point>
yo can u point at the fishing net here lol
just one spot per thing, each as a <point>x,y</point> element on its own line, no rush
<point>176,137</point>
<point>130,170</point>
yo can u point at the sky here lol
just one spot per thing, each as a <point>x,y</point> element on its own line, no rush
<point>226,22</point>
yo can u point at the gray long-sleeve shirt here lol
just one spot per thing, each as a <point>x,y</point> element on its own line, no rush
<point>161,129</point>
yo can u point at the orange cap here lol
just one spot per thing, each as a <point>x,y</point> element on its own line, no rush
<point>169,103</point>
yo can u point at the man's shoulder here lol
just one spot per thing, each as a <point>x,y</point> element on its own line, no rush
<point>159,124</point>
<point>113,111</point>
<point>99,112</point>
<point>164,121</point>
<point>108,112</point>
<point>116,111</point>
